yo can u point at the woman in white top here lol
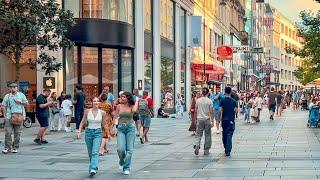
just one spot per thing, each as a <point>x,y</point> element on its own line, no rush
<point>94,118</point>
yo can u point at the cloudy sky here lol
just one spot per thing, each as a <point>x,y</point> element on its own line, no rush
<point>292,8</point>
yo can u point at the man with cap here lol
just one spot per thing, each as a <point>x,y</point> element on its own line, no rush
<point>13,103</point>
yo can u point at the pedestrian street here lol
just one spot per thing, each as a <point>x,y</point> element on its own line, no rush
<point>281,149</point>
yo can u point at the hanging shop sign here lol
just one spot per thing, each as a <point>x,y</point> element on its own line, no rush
<point>240,49</point>
<point>224,53</point>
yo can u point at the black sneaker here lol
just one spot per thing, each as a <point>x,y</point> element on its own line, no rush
<point>44,142</point>
<point>196,149</point>
<point>37,141</point>
<point>141,140</point>
<point>228,154</point>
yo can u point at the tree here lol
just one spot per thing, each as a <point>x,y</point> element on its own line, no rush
<point>309,30</point>
<point>41,23</point>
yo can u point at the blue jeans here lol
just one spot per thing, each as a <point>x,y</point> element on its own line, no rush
<point>93,138</point>
<point>228,129</point>
<point>125,144</point>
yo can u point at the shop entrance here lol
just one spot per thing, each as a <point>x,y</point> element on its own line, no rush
<point>96,67</point>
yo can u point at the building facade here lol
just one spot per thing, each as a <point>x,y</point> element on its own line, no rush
<point>127,44</point>
<point>281,34</point>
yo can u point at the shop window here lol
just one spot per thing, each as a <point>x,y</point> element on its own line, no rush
<point>167,83</point>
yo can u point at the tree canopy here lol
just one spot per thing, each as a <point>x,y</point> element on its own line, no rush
<point>309,30</point>
<point>41,23</point>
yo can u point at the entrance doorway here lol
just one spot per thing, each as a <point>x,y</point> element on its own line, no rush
<point>96,67</point>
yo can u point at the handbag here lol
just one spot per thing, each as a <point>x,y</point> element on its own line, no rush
<point>17,119</point>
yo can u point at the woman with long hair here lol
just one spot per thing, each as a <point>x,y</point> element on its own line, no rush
<point>54,113</point>
<point>193,125</point>
<point>94,119</point>
<point>126,130</point>
<point>107,133</point>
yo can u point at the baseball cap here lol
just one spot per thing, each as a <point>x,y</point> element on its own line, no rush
<point>13,85</point>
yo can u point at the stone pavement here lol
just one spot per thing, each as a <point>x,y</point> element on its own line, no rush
<point>282,149</point>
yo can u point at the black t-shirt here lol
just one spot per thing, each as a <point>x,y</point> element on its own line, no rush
<point>272,97</point>
<point>80,98</point>
<point>279,98</point>
<point>42,112</point>
<point>160,113</point>
<point>228,104</point>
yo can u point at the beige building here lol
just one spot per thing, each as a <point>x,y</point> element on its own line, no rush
<point>280,35</point>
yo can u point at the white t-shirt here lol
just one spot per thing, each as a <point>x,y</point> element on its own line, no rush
<point>66,107</point>
<point>204,105</point>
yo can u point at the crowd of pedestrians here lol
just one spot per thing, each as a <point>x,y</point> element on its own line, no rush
<point>129,116</point>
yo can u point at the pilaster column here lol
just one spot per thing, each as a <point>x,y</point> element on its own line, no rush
<point>156,55</point>
<point>139,44</point>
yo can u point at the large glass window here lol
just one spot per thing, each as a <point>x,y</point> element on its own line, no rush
<point>147,11</point>
<point>110,70</point>
<point>167,82</point>
<point>167,19</point>
<point>119,10</point>
<point>89,72</point>
<point>126,71</point>
<point>183,50</point>
<point>148,72</point>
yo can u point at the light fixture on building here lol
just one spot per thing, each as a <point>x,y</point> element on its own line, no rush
<point>223,3</point>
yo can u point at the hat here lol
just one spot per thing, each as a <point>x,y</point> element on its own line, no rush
<point>13,85</point>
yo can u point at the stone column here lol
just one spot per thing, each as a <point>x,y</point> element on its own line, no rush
<point>139,44</point>
<point>156,55</point>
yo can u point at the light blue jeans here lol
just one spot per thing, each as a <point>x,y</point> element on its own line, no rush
<point>93,138</point>
<point>125,140</point>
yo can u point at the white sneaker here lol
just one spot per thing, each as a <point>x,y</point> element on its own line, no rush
<point>5,151</point>
<point>93,172</point>
<point>126,172</point>
<point>14,151</point>
<point>218,132</point>
<point>120,168</point>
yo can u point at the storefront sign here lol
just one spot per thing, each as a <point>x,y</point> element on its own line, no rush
<point>224,53</point>
<point>49,82</point>
<point>240,49</point>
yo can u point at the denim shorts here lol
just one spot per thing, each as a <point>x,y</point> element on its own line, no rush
<point>272,107</point>
<point>216,114</point>
<point>43,121</point>
<point>145,121</point>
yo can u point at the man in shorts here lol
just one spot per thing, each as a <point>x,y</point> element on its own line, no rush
<point>145,111</point>
<point>42,114</point>
<point>272,102</point>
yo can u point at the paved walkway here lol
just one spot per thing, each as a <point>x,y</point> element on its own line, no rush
<point>282,149</point>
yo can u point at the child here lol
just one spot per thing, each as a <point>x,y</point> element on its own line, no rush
<point>67,111</point>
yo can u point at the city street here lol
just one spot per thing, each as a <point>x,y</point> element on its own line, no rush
<point>282,149</point>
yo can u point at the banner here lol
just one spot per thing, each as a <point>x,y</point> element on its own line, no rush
<point>224,53</point>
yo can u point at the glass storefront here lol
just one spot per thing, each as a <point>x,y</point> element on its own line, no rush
<point>119,10</point>
<point>183,50</point>
<point>148,72</point>
<point>89,67</point>
<point>167,82</point>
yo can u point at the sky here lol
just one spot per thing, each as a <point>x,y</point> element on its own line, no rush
<point>292,8</point>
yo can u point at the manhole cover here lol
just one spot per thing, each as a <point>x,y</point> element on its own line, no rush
<point>162,144</point>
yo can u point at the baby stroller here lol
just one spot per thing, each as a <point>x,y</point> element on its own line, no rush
<point>313,116</point>
<point>304,104</point>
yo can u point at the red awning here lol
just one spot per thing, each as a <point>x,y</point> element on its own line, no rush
<point>210,68</point>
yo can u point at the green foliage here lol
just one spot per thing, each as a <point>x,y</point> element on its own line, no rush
<point>39,23</point>
<point>306,73</point>
<point>309,30</point>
